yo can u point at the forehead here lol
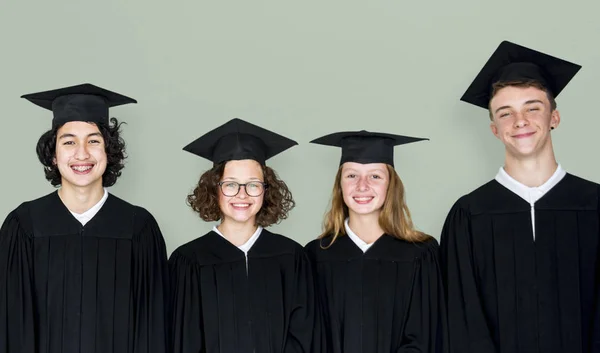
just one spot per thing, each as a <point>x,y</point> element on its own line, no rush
<point>78,128</point>
<point>512,95</point>
<point>242,168</point>
<point>359,167</point>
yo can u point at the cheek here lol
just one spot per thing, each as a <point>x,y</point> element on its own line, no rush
<point>502,131</point>
<point>346,187</point>
<point>381,190</point>
<point>100,155</point>
<point>259,201</point>
<point>60,157</point>
<point>222,200</point>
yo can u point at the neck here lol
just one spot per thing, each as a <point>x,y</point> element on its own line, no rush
<point>237,233</point>
<point>532,171</point>
<point>366,227</point>
<point>80,199</point>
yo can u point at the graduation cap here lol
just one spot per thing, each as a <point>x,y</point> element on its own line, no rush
<point>512,62</point>
<point>238,139</point>
<point>84,102</point>
<point>366,147</point>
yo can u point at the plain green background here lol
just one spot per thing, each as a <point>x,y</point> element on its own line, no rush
<point>302,69</point>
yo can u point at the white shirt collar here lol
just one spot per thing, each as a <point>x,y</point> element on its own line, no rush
<point>530,194</point>
<point>86,216</point>
<point>248,244</point>
<point>355,238</point>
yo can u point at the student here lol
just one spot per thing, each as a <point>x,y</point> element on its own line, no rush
<point>80,269</point>
<point>378,278</point>
<point>241,288</point>
<point>521,254</point>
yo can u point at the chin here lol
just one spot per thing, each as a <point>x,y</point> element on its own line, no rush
<point>524,152</point>
<point>364,212</point>
<point>242,219</point>
<point>83,183</point>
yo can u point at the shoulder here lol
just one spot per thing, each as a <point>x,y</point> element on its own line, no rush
<point>38,203</point>
<point>410,250</point>
<point>318,244</point>
<point>281,242</point>
<point>574,183</point>
<point>24,211</point>
<point>21,219</point>
<point>127,207</point>
<point>140,216</point>
<point>574,193</point>
<point>479,194</point>
<point>195,248</point>
<point>490,198</point>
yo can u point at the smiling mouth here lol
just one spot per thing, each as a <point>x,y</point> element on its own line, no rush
<point>240,206</point>
<point>363,199</point>
<point>82,169</point>
<point>524,135</point>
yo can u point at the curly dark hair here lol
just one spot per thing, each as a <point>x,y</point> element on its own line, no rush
<point>114,147</point>
<point>278,200</point>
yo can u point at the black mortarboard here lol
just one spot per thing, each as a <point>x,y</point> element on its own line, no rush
<point>238,139</point>
<point>512,62</point>
<point>366,147</point>
<point>84,102</point>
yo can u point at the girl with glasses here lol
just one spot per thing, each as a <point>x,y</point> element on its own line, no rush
<point>241,288</point>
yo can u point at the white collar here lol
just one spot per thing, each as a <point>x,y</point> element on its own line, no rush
<point>248,244</point>
<point>86,216</point>
<point>355,238</point>
<point>530,194</point>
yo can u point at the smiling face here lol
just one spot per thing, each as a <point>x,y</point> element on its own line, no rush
<point>522,118</point>
<point>80,155</point>
<point>364,187</point>
<point>241,208</point>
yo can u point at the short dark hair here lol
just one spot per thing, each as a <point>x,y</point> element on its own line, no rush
<point>114,148</point>
<point>278,200</point>
<point>523,84</point>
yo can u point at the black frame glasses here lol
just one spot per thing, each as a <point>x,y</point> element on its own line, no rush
<point>239,187</point>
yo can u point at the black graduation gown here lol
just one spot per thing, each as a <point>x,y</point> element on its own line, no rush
<point>385,300</point>
<point>506,291</point>
<point>68,288</point>
<point>220,306</point>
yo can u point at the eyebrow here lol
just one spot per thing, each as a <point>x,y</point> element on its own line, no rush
<point>368,171</point>
<point>502,107</point>
<point>236,179</point>
<point>534,101</point>
<point>65,135</point>
<point>528,102</point>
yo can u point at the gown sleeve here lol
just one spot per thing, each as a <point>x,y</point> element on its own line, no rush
<point>319,343</point>
<point>17,331</point>
<point>187,335</point>
<point>467,327</point>
<point>304,315</point>
<point>425,327</point>
<point>596,325</point>
<point>150,289</point>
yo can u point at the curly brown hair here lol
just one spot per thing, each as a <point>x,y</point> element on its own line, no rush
<point>278,200</point>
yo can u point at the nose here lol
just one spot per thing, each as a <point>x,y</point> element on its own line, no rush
<point>242,194</point>
<point>520,121</point>
<point>362,184</point>
<point>81,153</point>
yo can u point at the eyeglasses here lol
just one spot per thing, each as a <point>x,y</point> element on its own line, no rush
<point>232,188</point>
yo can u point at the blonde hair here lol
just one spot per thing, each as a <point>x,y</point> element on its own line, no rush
<point>394,218</point>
